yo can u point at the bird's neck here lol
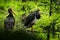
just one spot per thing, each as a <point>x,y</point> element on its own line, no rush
<point>10,14</point>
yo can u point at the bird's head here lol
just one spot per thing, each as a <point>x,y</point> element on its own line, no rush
<point>38,14</point>
<point>37,10</point>
<point>11,11</point>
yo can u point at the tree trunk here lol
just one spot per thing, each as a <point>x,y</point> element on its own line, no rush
<point>48,33</point>
<point>50,12</point>
<point>50,8</point>
<point>23,0</point>
<point>35,0</point>
<point>53,30</point>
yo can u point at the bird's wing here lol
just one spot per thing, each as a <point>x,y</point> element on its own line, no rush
<point>9,23</point>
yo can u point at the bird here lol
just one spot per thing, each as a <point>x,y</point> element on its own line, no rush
<point>9,21</point>
<point>29,20</point>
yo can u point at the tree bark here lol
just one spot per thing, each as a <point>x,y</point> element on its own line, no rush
<point>50,12</point>
<point>48,33</point>
<point>23,0</point>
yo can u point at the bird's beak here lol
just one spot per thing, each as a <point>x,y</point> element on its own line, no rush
<point>13,13</point>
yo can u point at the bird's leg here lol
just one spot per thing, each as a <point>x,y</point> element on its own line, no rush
<point>32,29</point>
<point>31,25</point>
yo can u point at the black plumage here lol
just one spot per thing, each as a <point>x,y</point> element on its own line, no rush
<point>29,20</point>
<point>9,21</point>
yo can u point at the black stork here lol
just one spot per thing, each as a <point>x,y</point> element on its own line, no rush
<point>29,21</point>
<point>9,21</point>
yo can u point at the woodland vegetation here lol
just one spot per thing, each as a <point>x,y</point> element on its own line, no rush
<point>46,28</point>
